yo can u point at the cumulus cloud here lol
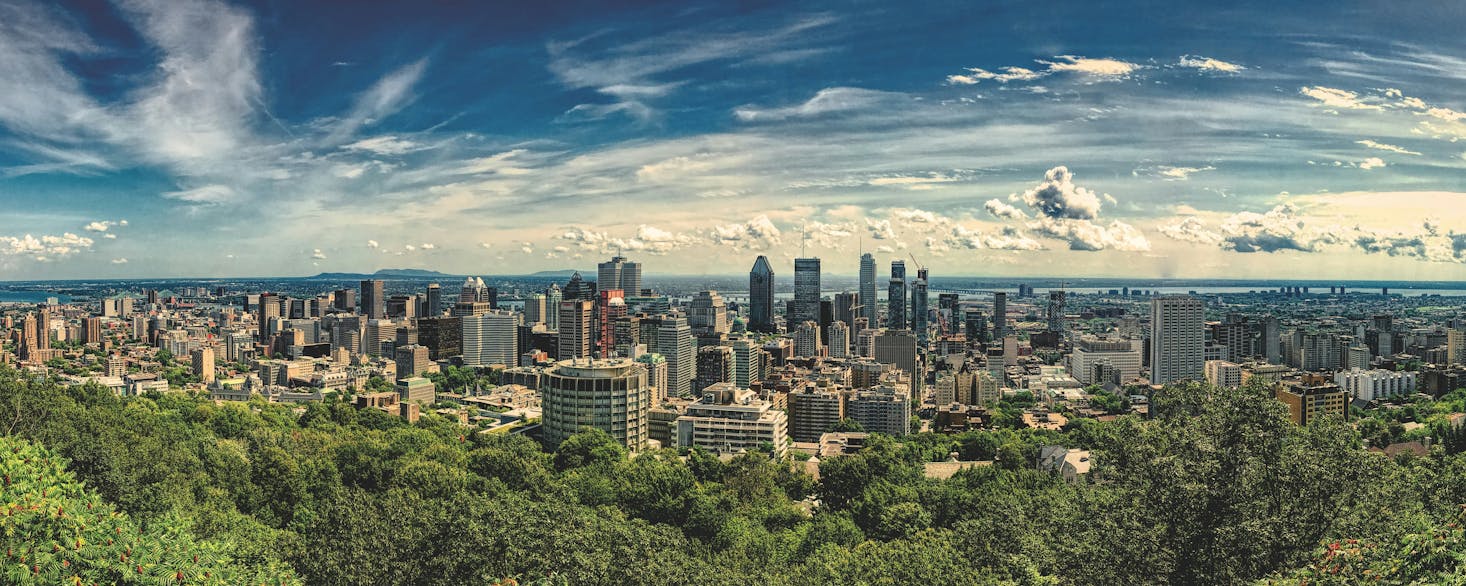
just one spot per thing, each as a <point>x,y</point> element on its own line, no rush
<point>1007,238</point>
<point>1004,210</point>
<point>485,245</point>
<point>1090,236</point>
<point>1275,230</point>
<point>1371,163</point>
<point>119,261</point>
<point>1102,67</point>
<point>1058,197</point>
<point>1190,229</point>
<point>103,225</point>
<point>880,229</point>
<point>409,247</point>
<point>45,247</point>
<point>757,234</point>
<point>428,246</point>
<point>317,254</point>
<point>1209,64</point>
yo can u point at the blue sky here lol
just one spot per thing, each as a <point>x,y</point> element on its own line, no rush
<point>1148,139</point>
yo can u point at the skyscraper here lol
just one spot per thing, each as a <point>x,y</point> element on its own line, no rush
<point>433,306</point>
<point>868,288</point>
<point>761,296</point>
<point>1177,336</point>
<point>896,317</point>
<point>269,307</point>
<point>675,342</point>
<point>847,309</point>
<point>1000,316</point>
<point>610,305</point>
<point>919,304</point>
<point>373,301</point>
<point>552,307</point>
<point>575,329</point>
<point>619,273</point>
<point>806,291</point>
<point>491,338</point>
<point>1056,311</point>
<point>708,313</point>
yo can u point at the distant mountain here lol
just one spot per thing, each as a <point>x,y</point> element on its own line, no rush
<point>385,274</point>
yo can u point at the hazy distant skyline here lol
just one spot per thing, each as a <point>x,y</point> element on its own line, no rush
<point>205,138</point>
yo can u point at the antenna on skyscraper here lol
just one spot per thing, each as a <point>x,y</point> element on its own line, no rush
<point>803,238</point>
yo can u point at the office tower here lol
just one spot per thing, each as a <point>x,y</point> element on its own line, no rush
<point>619,273</point>
<point>730,420</point>
<point>1272,340</point>
<point>708,314</point>
<point>576,289</point>
<point>807,339</point>
<point>611,305</point>
<point>534,309</point>
<point>433,305</point>
<point>442,336</point>
<point>975,326</point>
<point>898,348</point>
<point>1056,311</point>
<point>92,330</point>
<point>896,317</point>
<point>269,308</point>
<point>407,334</point>
<point>748,363</point>
<point>806,291</point>
<point>870,308</point>
<point>714,365</point>
<point>203,364</point>
<point>552,307</point>
<point>839,338</point>
<point>491,338</point>
<point>373,301</point>
<point>344,299</point>
<point>675,342</point>
<point>412,361</point>
<point>919,306</point>
<point>398,307</point>
<point>610,395</point>
<point>417,390</point>
<point>1177,326</point>
<point>847,309</point>
<point>576,323</point>
<point>1000,315</point>
<point>626,332</point>
<point>656,375</point>
<point>346,332</point>
<point>761,296</point>
<point>377,332</point>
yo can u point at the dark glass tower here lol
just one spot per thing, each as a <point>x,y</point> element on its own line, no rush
<point>761,296</point>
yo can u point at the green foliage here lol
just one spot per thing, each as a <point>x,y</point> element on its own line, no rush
<point>1217,488</point>
<point>55,531</point>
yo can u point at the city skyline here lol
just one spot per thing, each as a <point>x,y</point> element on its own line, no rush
<point>208,139</point>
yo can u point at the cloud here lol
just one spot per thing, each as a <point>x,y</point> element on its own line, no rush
<point>206,195</point>
<point>103,225</point>
<point>317,254</point>
<point>372,244</point>
<point>485,245</point>
<point>1371,163</point>
<point>46,247</point>
<point>1103,67</point>
<point>1083,234</point>
<point>825,102</point>
<point>1276,230</point>
<point>1190,229</point>
<point>1007,238</point>
<point>1003,210</point>
<point>1385,147</point>
<point>348,171</point>
<point>384,145</point>
<point>409,247</point>
<point>385,97</point>
<point>1008,74</point>
<point>1337,98</point>
<point>110,236</point>
<point>1209,64</point>
<point>1058,197</point>
<point>914,183</point>
<point>427,246</point>
<point>1170,173</point>
<point>880,229</point>
<point>119,261</point>
<point>757,234</point>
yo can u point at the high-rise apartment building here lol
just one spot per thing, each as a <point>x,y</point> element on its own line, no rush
<point>1177,339</point>
<point>708,313</point>
<point>675,342</point>
<point>714,365</point>
<point>491,338</point>
<point>896,317</point>
<point>807,339</point>
<point>761,296</point>
<point>203,364</point>
<point>919,307</point>
<point>612,395</point>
